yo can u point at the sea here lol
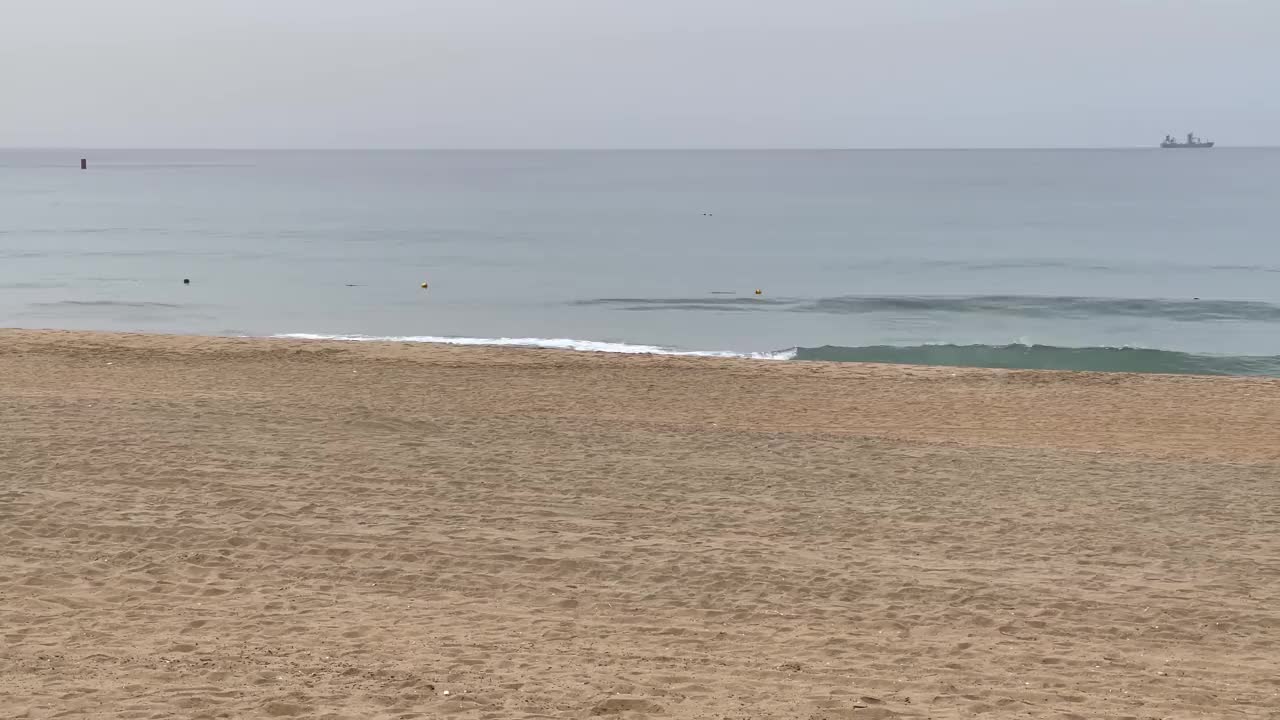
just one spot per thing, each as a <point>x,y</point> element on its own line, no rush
<point>1136,260</point>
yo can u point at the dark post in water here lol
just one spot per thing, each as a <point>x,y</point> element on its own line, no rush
<point>84,164</point>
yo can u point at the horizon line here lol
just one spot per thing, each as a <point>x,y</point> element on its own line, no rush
<point>1066,148</point>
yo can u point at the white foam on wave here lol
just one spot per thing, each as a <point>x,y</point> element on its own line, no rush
<point>550,344</point>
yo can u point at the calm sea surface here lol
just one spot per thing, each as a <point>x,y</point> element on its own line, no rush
<point>1109,259</point>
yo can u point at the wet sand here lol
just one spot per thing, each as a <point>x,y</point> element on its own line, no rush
<point>224,528</point>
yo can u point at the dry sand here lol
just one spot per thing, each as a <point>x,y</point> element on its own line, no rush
<point>223,528</point>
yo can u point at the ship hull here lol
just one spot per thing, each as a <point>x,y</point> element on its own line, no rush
<point>1185,146</point>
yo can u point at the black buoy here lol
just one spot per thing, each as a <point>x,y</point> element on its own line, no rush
<point>186,281</point>
<point>84,163</point>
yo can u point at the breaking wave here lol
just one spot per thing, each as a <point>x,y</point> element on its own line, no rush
<point>550,344</point>
<point>1014,356</point>
<point>1025,306</point>
<point>1049,357</point>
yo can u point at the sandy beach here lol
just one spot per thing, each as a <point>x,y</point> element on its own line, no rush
<point>200,527</point>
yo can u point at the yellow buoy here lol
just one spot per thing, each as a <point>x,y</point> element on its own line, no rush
<point>424,286</point>
<point>759,292</point>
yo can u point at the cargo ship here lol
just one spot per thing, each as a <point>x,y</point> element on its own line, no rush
<point>1192,142</point>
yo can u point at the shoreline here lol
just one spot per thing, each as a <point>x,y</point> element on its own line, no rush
<point>230,527</point>
<point>1215,417</point>
<point>1017,356</point>
<point>1208,417</point>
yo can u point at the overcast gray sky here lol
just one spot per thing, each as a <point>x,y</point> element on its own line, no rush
<point>636,73</point>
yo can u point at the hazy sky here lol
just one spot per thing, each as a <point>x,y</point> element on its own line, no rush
<point>636,73</point>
